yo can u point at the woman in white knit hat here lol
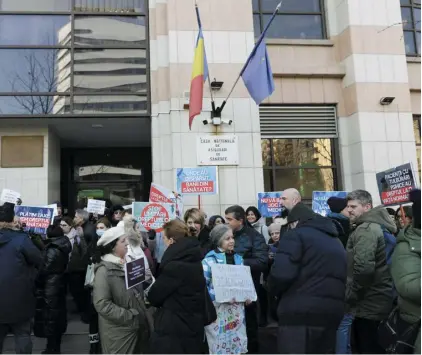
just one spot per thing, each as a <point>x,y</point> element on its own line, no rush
<point>124,323</point>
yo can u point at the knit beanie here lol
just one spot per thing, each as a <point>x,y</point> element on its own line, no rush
<point>337,204</point>
<point>7,212</point>
<point>218,233</point>
<point>415,197</point>
<point>54,232</point>
<point>301,213</point>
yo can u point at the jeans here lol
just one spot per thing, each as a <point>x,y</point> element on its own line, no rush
<point>343,335</point>
<point>22,333</point>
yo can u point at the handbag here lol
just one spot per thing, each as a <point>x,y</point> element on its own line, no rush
<point>89,277</point>
<point>396,336</point>
<point>210,312</point>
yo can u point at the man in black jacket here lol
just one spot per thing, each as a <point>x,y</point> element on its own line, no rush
<point>252,247</point>
<point>340,216</point>
<point>309,279</point>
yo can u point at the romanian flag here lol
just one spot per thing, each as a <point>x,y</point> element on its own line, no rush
<point>199,75</point>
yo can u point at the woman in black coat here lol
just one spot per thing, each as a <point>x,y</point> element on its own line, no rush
<point>50,314</point>
<point>179,294</point>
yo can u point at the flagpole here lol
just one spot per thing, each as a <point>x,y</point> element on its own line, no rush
<point>261,38</point>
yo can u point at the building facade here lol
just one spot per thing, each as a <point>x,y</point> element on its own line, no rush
<point>93,96</point>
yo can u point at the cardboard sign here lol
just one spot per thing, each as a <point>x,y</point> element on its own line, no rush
<point>134,272</point>
<point>152,215</point>
<point>96,206</point>
<point>232,282</point>
<point>37,219</point>
<point>319,200</point>
<point>10,196</point>
<point>269,203</point>
<point>395,184</point>
<point>197,181</point>
<point>217,150</point>
<point>162,194</point>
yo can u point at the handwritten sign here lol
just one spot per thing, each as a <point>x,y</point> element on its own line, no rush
<point>320,198</point>
<point>152,215</point>
<point>269,204</point>
<point>96,206</point>
<point>134,272</point>
<point>217,150</point>
<point>197,181</point>
<point>36,219</point>
<point>232,282</point>
<point>10,196</point>
<point>395,184</point>
<point>162,194</point>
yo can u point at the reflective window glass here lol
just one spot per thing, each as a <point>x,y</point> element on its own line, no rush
<point>126,6</point>
<point>295,26</point>
<point>34,29</point>
<point>109,104</point>
<point>33,5</point>
<point>291,6</point>
<point>406,15</point>
<point>266,152</point>
<point>267,179</point>
<point>32,105</point>
<point>409,42</point>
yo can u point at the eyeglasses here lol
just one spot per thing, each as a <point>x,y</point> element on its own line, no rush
<point>64,225</point>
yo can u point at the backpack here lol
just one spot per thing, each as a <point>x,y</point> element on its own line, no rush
<point>390,244</point>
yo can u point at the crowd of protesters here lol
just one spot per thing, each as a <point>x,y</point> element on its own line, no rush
<point>346,283</point>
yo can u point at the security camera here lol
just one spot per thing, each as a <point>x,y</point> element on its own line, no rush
<point>229,122</point>
<point>386,100</point>
<point>205,122</point>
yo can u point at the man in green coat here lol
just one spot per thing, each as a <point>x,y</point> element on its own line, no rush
<point>369,290</point>
<point>406,268</point>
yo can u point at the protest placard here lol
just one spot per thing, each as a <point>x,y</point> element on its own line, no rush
<point>36,219</point>
<point>134,272</point>
<point>395,184</point>
<point>197,181</point>
<point>232,282</point>
<point>10,196</point>
<point>319,200</point>
<point>269,203</point>
<point>162,194</point>
<point>153,215</point>
<point>96,206</point>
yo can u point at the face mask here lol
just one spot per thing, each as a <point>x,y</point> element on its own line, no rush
<point>100,232</point>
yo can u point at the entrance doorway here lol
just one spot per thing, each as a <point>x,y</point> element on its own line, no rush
<point>117,175</point>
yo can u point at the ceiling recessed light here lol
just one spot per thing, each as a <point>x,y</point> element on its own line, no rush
<point>97,125</point>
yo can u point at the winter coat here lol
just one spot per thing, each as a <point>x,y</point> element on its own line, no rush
<point>179,294</point>
<point>342,224</point>
<point>90,233</point>
<point>406,273</point>
<point>309,275</point>
<point>369,292</point>
<point>78,256</point>
<point>262,229</point>
<point>19,258</point>
<point>50,314</point>
<point>124,323</point>
<point>205,241</point>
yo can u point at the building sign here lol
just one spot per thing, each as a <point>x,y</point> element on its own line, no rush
<point>217,150</point>
<point>269,204</point>
<point>153,215</point>
<point>197,181</point>
<point>320,198</point>
<point>395,184</point>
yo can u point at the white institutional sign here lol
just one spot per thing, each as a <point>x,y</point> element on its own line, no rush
<point>217,150</point>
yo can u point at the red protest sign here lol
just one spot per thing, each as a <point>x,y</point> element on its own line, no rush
<point>197,187</point>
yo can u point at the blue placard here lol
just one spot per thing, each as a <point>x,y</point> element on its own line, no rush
<point>197,181</point>
<point>269,203</point>
<point>36,219</point>
<point>319,200</point>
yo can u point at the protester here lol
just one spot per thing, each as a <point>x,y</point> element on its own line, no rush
<point>309,278</point>
<point>179,294</point>
<point>282,220</point>
<point>274,230</point>
<point>123,319</point>
<point>59,215</point>
<point>228,331</point>
<point>403,221</point>
<point>102,225</point>
<point>290,198</point>
<point>406,273</point>
<point>253,216</point>
<point>195,220</point>
<point>19,259</point>
<point>369,294</point>
<point>84,227</point>
<point>116,214</point>
<point>51,312</point>
<point>340,217</point>
<point>252,247</point>
<point>215,220</point>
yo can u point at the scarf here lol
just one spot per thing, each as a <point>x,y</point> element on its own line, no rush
<point>73,235</point>
<point>111,258</point>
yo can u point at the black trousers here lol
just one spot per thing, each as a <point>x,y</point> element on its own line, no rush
<point>298,339</point>
<point>251,317</point>
<point>54,344</point>
<point>263,304</point>
<point>365,333</point>
<point>80,294</point>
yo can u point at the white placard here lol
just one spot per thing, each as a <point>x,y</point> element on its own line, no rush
<point>96,206</point>
<point>10,196</point>
<point>232,282</point>
<point>217,150</point>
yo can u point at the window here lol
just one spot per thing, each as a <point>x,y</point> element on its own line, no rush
<point>411,18</point>
<point>417,130</point>
<point>306,163</point>
<point>299,19</point>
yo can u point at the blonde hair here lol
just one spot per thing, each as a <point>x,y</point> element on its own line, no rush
<point>197,216</point>
<point>175,229</point>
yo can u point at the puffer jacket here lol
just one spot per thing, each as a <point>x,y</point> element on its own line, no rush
<point>369,292</point>
<point>342,224</point>
<point>50,313</point>
<point>406,272</point>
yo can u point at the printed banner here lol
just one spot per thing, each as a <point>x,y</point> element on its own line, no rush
<point>153,215</point>
<point>197,181</point>
<point>36,219</point>
<point>162,194</point>
<point>96,206</point>
<point>10,196</point>
<point>233,282</point>
<point>134,272</point>
<point>395,184</point>
<point>269,203</point>
<point>319,200</point>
